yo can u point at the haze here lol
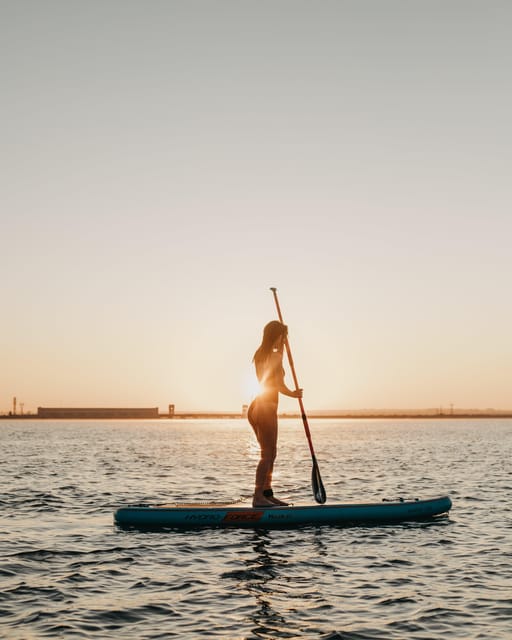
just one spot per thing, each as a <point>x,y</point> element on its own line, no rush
<point>164,163</point>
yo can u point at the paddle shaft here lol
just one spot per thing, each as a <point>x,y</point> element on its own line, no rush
<point>294,376</point>
<point>316,479</point>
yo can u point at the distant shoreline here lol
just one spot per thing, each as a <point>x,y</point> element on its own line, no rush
<point>192,415</point>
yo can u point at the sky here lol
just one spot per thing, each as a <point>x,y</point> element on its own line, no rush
<point>164,163</point>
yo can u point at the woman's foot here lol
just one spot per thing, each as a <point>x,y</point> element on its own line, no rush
<point>268,494</point>
<point>263,502</point>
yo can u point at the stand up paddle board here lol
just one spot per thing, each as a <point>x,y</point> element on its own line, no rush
<point>189,516</point>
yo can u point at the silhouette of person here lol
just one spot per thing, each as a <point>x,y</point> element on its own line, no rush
<point>262,412</point>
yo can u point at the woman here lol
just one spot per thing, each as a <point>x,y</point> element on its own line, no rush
<point>262,413</point>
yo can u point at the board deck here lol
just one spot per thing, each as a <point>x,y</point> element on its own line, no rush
<point>193,515</point>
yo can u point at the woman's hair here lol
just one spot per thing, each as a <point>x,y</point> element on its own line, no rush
<point>271,332</point>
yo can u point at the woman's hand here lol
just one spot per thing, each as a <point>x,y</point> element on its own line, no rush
<point>298,393</point>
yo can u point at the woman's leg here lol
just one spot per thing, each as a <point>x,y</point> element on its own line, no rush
<point>264,422</point>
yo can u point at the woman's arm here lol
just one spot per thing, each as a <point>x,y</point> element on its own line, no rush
<point>288,392</point>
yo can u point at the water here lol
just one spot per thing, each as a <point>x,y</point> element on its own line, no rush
<point>67,571</point>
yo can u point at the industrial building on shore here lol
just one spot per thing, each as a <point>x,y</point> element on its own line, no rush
<point>97,413</point>
<point>125,413</point>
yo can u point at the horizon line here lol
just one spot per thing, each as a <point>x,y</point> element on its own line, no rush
<point>154,413</point>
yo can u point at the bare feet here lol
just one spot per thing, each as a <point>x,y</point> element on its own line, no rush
<point>263,502</point>
<point>266,498</point>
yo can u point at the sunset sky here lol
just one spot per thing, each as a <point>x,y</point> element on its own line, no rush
<point>164,163</point>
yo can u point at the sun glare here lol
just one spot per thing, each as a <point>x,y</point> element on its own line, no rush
<point>251,387</point>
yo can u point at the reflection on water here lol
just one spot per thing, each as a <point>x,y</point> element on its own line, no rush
<point>259,578</point>
<point>68,571</point>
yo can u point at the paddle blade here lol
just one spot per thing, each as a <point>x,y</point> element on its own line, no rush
<point>317,484</point>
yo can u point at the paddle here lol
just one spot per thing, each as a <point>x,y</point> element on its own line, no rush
<point>316,480</point>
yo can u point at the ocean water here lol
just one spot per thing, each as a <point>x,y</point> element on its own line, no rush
<point>67,571</point>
